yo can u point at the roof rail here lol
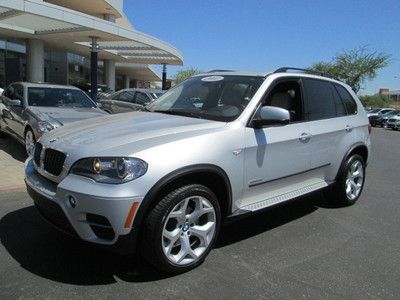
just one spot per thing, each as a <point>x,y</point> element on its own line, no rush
<point>218,71</point>
<point>307,71</point>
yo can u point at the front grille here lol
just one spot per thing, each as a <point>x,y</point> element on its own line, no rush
<point>38,151</point>
<point>53,161</point>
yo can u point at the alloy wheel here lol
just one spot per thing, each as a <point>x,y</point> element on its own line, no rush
<point>29,142</point>
<point>354,180</point>
<point>188,230</point>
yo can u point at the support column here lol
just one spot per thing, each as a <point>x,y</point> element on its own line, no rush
<point>93,69</point>
<point>109,73</point>
<point>127,81</point>
<point>164,77</point>
<point>35,60</point>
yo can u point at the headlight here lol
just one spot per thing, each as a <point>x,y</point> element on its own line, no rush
<point>110,169</point>
<point>45,126</point>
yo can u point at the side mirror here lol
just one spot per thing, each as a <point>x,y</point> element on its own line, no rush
<point>269,115</point>
<point>15,102</point>
<point>99,104</point>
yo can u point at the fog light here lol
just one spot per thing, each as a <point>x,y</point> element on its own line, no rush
<point>72,201</point>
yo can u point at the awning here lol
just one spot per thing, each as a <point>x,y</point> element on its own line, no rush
<point>71,31</point>
<point>137,71</point>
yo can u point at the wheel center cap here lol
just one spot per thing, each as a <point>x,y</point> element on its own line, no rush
<point>185,227</point>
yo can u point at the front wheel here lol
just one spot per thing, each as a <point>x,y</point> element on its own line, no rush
<point>350,183</point>
<point>29,142</point>
<point>181,229</point>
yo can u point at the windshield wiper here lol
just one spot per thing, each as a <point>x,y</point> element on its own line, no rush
<point>179,113</point>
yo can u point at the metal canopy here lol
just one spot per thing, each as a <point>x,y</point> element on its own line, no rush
<point>71,31</point>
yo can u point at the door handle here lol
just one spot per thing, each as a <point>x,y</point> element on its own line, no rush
<point>349,128</point>
<point>305,137</point>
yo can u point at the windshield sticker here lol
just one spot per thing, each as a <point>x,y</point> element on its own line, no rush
<point>212,78</point>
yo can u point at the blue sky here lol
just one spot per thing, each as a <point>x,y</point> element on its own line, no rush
<point>260,35</point>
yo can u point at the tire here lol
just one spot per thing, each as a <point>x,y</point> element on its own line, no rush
<point>348,188</point>
<point>30,141</point>
<point>167,230</point>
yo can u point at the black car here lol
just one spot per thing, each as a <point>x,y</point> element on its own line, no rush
<point>381,119</point>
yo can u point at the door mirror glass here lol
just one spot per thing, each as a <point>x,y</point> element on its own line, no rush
<point>268,115</point>
<point>15,102</point>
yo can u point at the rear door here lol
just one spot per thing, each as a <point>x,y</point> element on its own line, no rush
<point>330,124</point>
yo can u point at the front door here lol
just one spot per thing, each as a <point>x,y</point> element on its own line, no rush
<point>277,157</point>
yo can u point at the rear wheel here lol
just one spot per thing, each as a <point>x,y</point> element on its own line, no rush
<point>347,189</point>
<point>29,141</point>
<point>182,229</point>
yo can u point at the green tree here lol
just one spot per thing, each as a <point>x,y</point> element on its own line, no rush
<point>185,74</point>
<point>355,66</point>
<point>376,101</point>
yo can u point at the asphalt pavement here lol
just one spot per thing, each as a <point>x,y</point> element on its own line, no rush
<point>302,249</point>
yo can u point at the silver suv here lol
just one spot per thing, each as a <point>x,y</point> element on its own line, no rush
<point>213,147</point>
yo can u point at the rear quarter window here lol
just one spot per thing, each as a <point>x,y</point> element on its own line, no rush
<point>348,101</point>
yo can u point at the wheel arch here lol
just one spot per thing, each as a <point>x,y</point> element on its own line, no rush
<point>209,175</point>
<point>358,148</point>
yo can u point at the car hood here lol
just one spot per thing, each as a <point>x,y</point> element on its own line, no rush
<point>124,134</point>
<point>59,116</point>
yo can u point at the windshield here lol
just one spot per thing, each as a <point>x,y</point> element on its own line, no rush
<point>58,97</point>
<point>219,98</point>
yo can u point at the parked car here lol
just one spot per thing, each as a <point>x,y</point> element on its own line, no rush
<point>379,111</point>
<point>167,179</point>
<point>381,119</point>
<point>32,109</point>
<point>393,122</point>
<point>129,100</point>
<point>397,125</point>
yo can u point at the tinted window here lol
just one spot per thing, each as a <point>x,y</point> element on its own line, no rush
<point>9,92</point>
<point>126,96</point>
<point>57,97</point>
<point>320,99</point>
<point>141,98</point>
<point>19,92</point>
<point>348,101</point>
<point>339,105</point>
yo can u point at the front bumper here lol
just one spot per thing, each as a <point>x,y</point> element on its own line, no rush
<point>93,218</point>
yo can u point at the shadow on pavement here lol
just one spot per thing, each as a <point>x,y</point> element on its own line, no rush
<point>12,147</point>
<point>42,250</point>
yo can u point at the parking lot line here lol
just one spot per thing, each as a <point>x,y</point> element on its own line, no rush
<point>12,187</point>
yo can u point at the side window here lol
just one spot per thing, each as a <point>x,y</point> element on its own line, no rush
<point>287,95</point>
<point>126,96</point>
<point>339,106</point>
<point>141,98</point>
<point>348,101</point>
<point>9,92</point>
<point>19,92</point>
<point>319,99</point>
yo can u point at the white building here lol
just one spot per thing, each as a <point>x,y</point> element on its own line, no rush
<point>51,41</point>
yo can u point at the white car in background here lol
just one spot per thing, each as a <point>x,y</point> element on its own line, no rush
<point>394,122</point>
<point>379,111</point>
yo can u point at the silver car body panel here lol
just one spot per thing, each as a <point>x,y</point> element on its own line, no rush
<point>264,166</point>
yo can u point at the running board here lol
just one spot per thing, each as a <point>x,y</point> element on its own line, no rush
<point>284,197</point>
